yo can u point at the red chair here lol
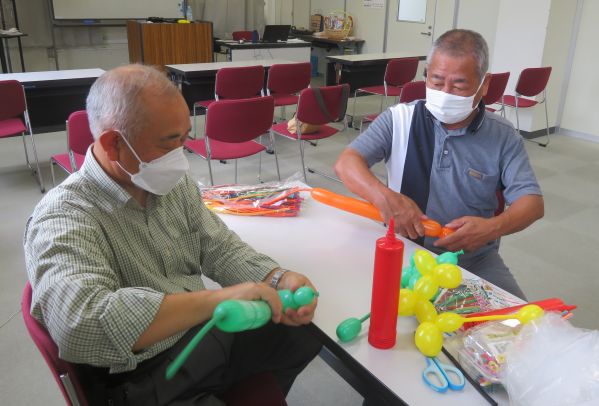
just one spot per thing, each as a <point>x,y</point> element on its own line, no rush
<point>310,110</point>
<point>285,81</point>
<point>63,372</point>
<point>14,121</point>
<point>497,84</point>
<point>412,91</point>
<point>397,73</point>
<point>79,138</point>
<point>242,35</point>
<point>260,389</point>
<point>234,83</point>
<point>532,82</point>
<point>231,129</point>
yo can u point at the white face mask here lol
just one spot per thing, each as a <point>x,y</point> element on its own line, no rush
<point>160,175</point>
<point>449,108</point>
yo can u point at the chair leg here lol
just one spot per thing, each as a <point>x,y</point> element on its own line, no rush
<point>195,123</point>
<point>260,167</point>
<point>52,172</point>
<point>274,150</point>
<point>236,170</point>
<point>210,172</point>
<point>301,147</point>
<point>37,170</point>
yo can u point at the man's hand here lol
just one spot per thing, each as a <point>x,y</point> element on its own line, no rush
<point>404,211</point>
<point>471,233</point>
<point>292,281</point>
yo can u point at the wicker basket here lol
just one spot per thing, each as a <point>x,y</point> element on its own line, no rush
<point>338,25</point>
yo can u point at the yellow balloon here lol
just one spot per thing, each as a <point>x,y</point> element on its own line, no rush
<point>448,276</point>
<point>407,301</point>
<point>424,261</point>
<point>449,322</point>
<point>529,313</point>
<point>426,287</point>
<point>425,311</point>
<point>429,339</point>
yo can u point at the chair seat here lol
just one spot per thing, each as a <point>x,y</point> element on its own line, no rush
<point>11,127</point>
<point>285,99</point>
<point>370,117</point>
<point>324,132</point>
<point>393,91</point>
<point>64,161</point>
<point>204,103</point>
<point>224,150</point>
<point>510,100</point>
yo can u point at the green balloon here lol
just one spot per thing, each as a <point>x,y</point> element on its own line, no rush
<point>449,257</point>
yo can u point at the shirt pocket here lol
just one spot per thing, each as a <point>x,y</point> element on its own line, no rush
<point>480,188</point>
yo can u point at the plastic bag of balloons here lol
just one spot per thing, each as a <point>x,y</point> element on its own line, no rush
<point>552,363</point>
<point>481,350</point>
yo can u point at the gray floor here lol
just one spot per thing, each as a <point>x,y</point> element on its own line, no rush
<point>556,257</point>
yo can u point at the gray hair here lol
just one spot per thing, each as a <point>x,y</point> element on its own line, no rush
<point>459,43</point>
<point>115,100</point>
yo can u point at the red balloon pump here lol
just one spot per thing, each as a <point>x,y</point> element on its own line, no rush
<point>388,261</point>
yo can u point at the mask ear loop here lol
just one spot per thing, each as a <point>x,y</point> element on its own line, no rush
<point>134,154</point>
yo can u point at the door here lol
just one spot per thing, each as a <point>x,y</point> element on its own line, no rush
<point>411,26</point>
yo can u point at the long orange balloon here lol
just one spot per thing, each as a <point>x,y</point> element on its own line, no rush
<point>365,209</point>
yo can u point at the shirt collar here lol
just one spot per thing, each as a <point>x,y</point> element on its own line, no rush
<point>92,170</point>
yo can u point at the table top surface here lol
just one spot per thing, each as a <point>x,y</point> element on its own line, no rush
<point>214,66</point>
<point>293,43</point>
<point>25,77</point>
<point>382,56</point>
<point>329,40</point>
<point>335,250</point>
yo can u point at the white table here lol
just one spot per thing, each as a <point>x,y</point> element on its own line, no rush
<point>335,250</point>
<point>295,50</point>
<point>53,95</point>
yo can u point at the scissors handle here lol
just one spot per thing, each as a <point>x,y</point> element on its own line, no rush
<point>448,376</point>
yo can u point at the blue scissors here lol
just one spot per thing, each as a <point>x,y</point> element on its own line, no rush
<point>439,376</point>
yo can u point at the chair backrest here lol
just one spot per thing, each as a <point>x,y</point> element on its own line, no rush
<point>12,99</point>
<point>240,120</point>
<point>533,81</point>
<point>334,100</point>
<point>79,134</point>
<point>288,78</point>
<point>242,35</point>
<point>497,84</point>
<point>49,351</point>
<point>413,91</point>
<point>239,83</point>
<point>400,71</point>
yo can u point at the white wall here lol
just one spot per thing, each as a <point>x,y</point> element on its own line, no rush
<point>325,7</point>
<point>580,113</point>
<point>369,25</point>
<point>480,16</point>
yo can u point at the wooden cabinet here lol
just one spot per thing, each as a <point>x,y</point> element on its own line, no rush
<point>165,43</point>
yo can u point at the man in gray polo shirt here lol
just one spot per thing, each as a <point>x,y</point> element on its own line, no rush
<point>446,158</point>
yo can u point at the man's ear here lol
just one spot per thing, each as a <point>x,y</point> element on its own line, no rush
<point>110,142</point>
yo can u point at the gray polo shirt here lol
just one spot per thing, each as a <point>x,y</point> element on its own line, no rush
<point>468,165</point>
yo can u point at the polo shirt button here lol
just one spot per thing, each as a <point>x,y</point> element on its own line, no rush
<point>445,152</point>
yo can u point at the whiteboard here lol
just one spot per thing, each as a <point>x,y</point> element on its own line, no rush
<point>115,9</point>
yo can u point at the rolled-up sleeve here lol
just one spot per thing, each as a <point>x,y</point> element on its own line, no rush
<point>517,175</point>
<point>77,294</point>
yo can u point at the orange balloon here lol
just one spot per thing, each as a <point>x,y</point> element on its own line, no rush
<point>349,204</point>
<point>445,231</point>
<point>431,228</point>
